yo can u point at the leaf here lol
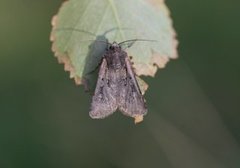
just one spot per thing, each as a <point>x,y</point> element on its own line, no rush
<point>79,23</point>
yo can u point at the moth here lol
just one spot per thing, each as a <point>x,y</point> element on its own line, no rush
<point>117,87</point>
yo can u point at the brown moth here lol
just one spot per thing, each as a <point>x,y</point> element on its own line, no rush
<point>117,87</point>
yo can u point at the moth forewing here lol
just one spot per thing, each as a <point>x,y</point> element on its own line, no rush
<point>103,102</point>
<point>132,101</point>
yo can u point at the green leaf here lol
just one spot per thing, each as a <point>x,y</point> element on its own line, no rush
<point>80,22</point>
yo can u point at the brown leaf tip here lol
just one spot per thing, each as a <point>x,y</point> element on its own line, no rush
<point>138,119</point>
<point>62,58</point>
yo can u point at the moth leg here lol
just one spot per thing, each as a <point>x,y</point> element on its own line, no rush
<point>103,100</point>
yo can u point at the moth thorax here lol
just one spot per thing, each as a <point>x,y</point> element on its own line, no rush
<point>114,46</point>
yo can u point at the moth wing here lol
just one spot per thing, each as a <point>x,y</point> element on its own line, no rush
<point>103,101</point>
<point>131,101</point>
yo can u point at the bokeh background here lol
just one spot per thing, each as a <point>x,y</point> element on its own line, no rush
<point>194,103</point>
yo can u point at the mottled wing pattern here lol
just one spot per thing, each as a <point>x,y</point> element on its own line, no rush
<point>103,102</point>
<point>131,101</point>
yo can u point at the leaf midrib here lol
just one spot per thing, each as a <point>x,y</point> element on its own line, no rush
<point>116,17</point>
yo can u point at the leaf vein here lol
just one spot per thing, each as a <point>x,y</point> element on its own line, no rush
<point>117,18</point>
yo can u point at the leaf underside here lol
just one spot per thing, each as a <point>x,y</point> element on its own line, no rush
<point>80,24</point>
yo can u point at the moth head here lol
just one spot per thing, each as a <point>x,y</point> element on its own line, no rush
<point>114,46</point>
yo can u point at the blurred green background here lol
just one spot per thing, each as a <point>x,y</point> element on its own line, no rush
<point>194,103</point>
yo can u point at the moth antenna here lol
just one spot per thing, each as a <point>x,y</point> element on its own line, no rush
<point>115,28</point>
<point>134,40</point>
<point>90,33</point>
<point>101,41</point>
<point>82,31</point>
<point>112,29</point>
